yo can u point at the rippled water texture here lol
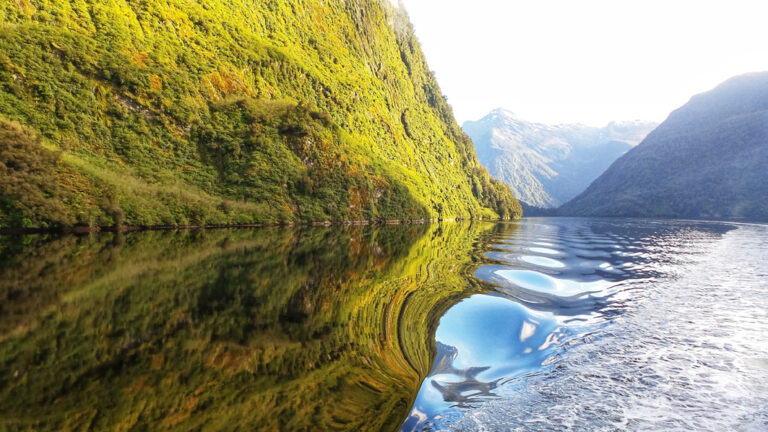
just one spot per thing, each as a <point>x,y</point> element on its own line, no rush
<point>546,324</point>
<point>607,325</point>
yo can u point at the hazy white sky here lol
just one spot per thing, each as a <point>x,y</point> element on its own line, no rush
<point>588,61</point>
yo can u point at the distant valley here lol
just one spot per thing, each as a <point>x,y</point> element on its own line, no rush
<point>544,165</point>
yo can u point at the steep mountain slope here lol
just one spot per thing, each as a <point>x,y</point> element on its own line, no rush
<point>190,112</point>
<point>707,160</point>
<point>548,165</point>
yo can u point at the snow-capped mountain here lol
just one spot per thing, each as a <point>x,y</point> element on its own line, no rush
<point>547,165</point>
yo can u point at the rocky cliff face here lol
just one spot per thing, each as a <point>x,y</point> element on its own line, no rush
<point>548,165</point>
<point>193,112</point>
<point>707,161</point>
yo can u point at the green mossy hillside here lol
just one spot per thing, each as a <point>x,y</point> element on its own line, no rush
<point>180,112</point>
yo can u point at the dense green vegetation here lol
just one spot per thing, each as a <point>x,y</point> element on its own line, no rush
<point>706,161</point>
<point>179,112</point>
<point>271,329</point>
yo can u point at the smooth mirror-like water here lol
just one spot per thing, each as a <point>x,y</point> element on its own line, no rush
<point>546,324</point>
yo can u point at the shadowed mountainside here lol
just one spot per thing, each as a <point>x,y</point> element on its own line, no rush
<point>706,161</point>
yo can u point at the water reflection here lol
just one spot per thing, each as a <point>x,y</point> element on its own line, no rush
<point>553,283</point>
<point>542,261</point>
<point>481,342</point>
<point>270,329</point>
<point>348,328</point>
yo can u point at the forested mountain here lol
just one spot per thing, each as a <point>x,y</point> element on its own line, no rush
<point>548,165</point>
<point>707,161</point>
<point>182,112</point>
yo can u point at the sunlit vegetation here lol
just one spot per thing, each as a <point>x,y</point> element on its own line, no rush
<point>183,112</point>
<point>272,329</point>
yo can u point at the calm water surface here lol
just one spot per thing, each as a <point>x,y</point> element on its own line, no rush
<point>546,324</point>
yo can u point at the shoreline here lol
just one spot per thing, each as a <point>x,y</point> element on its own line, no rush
<point>136,228</point>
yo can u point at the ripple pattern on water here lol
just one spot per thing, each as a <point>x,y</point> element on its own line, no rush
<point>542,261</point>
<point>645,325</point>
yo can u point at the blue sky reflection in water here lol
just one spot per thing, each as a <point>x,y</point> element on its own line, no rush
<point>481,342</point>
<point>637,325</point>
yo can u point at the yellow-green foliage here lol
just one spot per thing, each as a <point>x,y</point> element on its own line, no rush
<point>272,329</point>
<point>183,111</point>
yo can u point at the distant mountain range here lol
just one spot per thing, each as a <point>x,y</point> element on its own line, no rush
<point>708,160</point>
<point>548,165</point>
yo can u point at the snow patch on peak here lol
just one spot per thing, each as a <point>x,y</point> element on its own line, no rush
<point>502,113</point>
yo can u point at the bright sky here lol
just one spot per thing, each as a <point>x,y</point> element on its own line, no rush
<point>588,61</point>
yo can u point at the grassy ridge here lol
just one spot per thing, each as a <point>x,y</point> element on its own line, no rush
<point>186,112</point>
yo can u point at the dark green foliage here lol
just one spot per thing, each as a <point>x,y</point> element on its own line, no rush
<point>30,195</point>
<point>533,211</point>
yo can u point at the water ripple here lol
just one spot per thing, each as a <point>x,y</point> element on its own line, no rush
<point>605,325</point>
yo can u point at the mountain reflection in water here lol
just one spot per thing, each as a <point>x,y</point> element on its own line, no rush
<point>269,329</point>
<point>584,324</point>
